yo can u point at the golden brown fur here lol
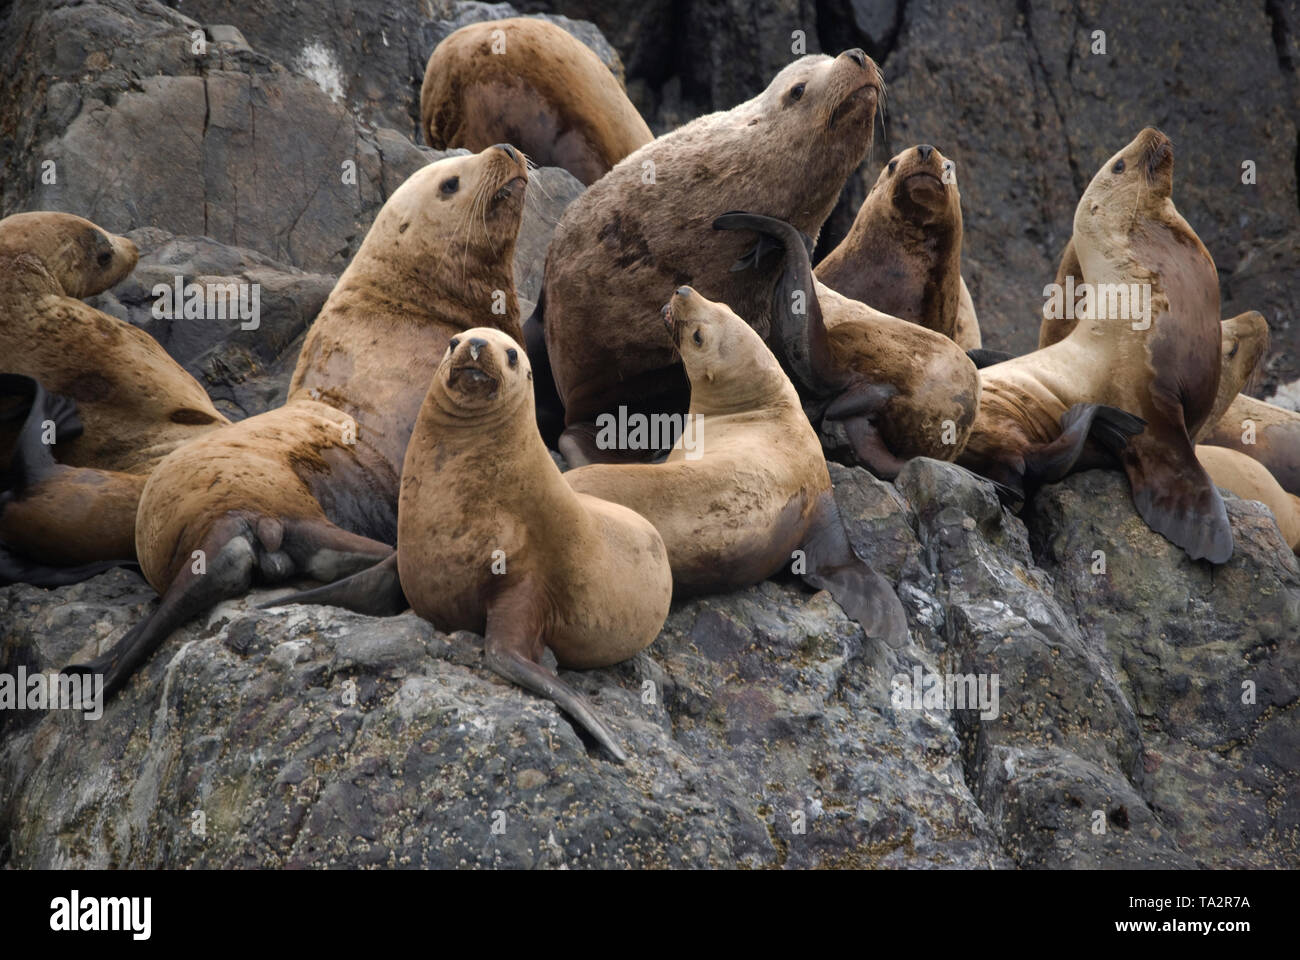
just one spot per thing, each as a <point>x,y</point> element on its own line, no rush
<point>545,92</point>
<point>902,256</point>
<point>135,402</point>
<point>626,240</point>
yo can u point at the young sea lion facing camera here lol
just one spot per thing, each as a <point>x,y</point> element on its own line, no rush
<point>646,227</point>
<point>125,402</point>
<point>1139,374</point>
<point>528,82</point>
<point>491,539</point>
<point>746,484</point>
<point>902,255</point>
<point>310,489</point>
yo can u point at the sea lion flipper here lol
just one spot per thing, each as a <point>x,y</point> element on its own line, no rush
<point>32,457</point>
<point>18,569</point>
<point>834,566</point>
<point>513,639</point>
<point>982,357</point>
<point>1175,495</point>
<point>375,591</point>
<point>1109,426</point>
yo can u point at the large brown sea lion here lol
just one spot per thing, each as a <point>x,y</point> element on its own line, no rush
<point>902,256</point>
<point>1153,364</point>
<point>528,82</point>
<point>646,227</point>
<point>310,489</point>
<point>758,489</point>
<point>65,519</point>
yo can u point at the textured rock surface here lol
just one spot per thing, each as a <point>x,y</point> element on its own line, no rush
<point>314,737</point>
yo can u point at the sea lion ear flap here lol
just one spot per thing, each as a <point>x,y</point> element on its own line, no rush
<point>834,566</point>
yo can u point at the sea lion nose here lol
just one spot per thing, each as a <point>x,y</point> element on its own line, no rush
<point>857,55</point>
<point>475,345</point>
<point>510,151</point>
<point>925,150</point>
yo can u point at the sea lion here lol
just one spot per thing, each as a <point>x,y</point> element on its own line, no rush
<point>902,256</point>
<point>899,389</point>
<point>1139,382</point>
<point>492,540</point>
<point>1055,327</point>
<point>310,489</point>
<point>759,489</point>
<point>1264,432</point>
<point>135,402</point>
<point>645,227</point>
<point>1251,480</point>
<point>530,83</point>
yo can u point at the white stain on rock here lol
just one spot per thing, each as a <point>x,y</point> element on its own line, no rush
<point>318,62</point>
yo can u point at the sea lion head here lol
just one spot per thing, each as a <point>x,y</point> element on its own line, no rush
<point>1245,340</point>
<point>482,372</point>
<point>81,258</point>
<point>474,202</point>
<point>726,360</point>
<point>920,187</point>
<point>813,124</point>
<point>1134,185</point>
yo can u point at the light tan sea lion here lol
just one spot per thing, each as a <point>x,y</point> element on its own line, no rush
<point>1156,366</point>
<point>68,519</point>
<point>528,82</point>
<point>758,491</point>
<point>310,489</point>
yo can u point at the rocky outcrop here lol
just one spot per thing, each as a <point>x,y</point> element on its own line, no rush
<point>1145,716</point>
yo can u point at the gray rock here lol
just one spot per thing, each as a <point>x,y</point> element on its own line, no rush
<point>764,729</point>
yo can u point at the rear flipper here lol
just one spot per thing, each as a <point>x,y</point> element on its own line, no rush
<point>986,358</point>
<point>376,591</point>
<point>546,397</point>
<point>834,566</point>
<point>1175,495</point>
<point>1110,427</point>
<point>514,643</point>
<point>17,569</point>
<point>237,548</point>
<point>50,419</point>
<point>856,407</point>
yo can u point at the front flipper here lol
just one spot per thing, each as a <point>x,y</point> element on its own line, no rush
<point>1108,426</point>
<point>1175,495</point>
<point>513,645</point>
<point>834,566</point>
<point>986,358</point>
<point>376,591</point>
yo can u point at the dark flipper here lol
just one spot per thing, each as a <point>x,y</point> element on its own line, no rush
<point>546,397</point>
<point>834,566</point>
<point>33,458</point>
<point>16,569</point>
<point>1109,426</point>
<point>376,591</point>
<point>1176,497</point>
<point>236,547</point>
<point>798,336</point>
<point>986,358</point>
<point>513,645</point>
<point>857,408</point>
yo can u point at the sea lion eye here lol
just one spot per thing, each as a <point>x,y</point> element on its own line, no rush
<point>797,91</point>
<point>1233,351</point>
<point>450,186</point>
<point>105,258</point>
<point>1119,166</point>
<point>513,356</point>
<point>893,165</point>
<point>697,338</point>
<point>453,344</point>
